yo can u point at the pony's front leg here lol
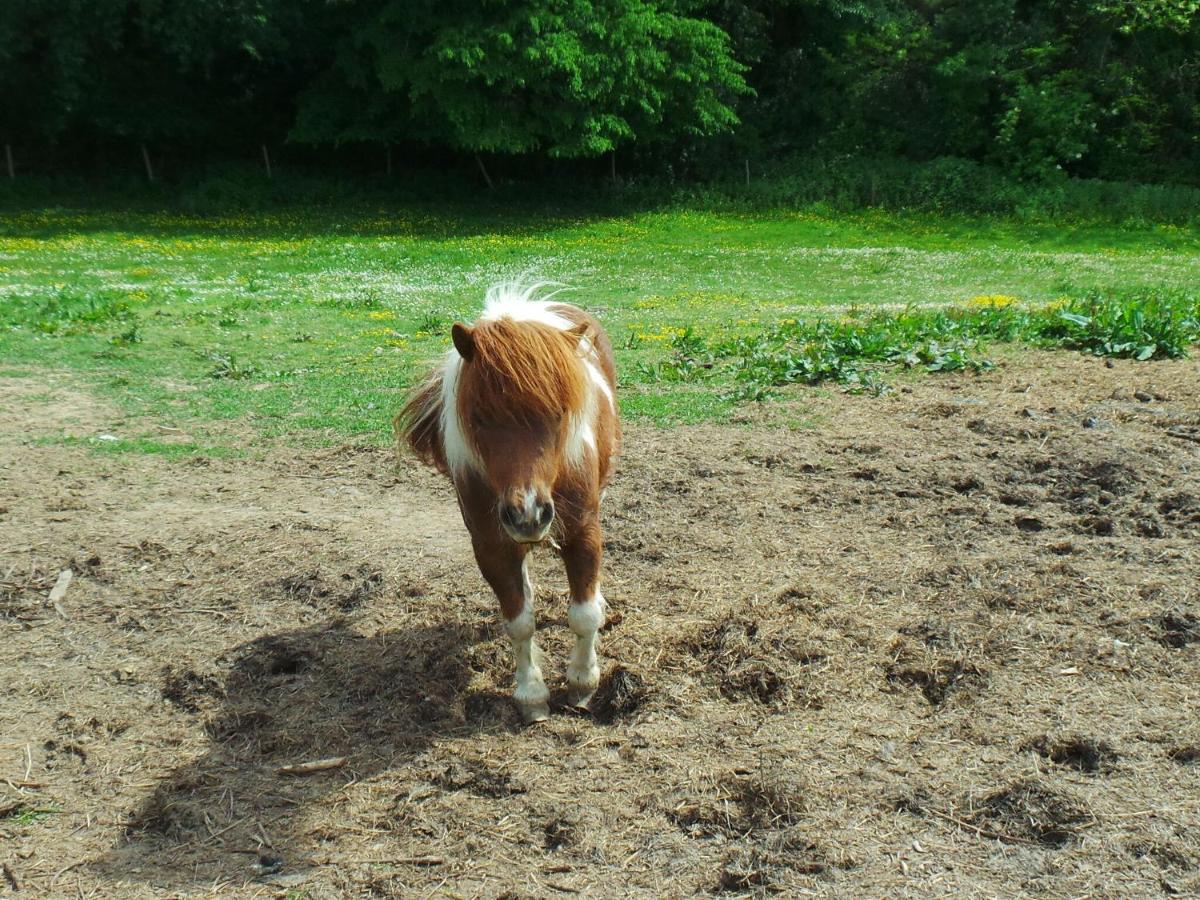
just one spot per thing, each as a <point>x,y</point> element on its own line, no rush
<point>581,552</point>
<point>503,563</point>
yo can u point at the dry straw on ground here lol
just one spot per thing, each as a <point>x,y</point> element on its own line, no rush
<point>923,644</point>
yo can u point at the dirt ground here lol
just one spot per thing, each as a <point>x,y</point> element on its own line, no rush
<point>942,642</point>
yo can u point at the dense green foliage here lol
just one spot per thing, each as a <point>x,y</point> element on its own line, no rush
<point>1105,89</point>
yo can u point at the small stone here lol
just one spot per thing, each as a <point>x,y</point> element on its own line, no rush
<point>1121,394</point>
<point>1030,413</point>
<point>1144,396</point>
<point>1109,364</point>
<point>1091,422</point>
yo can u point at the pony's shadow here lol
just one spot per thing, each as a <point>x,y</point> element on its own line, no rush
<point>289,698</point>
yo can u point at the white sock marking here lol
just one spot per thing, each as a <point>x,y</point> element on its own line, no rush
<point>585,618</point>
<point>530,686</point>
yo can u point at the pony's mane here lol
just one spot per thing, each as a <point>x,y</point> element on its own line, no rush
<point>419,422</point>
<point>523,371</point>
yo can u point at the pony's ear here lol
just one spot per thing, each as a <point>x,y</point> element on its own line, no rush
<point>464,341</point>
<point>578,331</point>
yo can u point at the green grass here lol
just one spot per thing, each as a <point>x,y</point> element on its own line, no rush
<point>311,325</point>
<point>167,449</point>
<point>29,815</point>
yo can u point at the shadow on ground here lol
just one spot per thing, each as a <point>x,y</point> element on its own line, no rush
<point>287,698</point>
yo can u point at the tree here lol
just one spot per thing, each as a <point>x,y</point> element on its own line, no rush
<point>570,78</point>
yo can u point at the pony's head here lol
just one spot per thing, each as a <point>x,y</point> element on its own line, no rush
<point>522,400</point>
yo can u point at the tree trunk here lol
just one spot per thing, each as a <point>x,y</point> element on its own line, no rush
<point>389,160</point>
<point>483,171</point>
<point>12,173</point>
<point>146,160</point>
<point>266,160</point>
<point>747,173</point>
<point>612,166</point>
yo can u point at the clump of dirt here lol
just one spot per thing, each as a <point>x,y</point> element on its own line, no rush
<point>1164,854</point>
<point>739,803</point>
<point>562,830</point>
<point>1033,811</point>
<point>1186,754</point>
<point>187,688</point>
<point>621,693</point>
<point>930,656</point>
<point>756,656</point>
<point>273,656</point>
<point>1075,751</point>
<point>347,592</point>
<point>1176,628</point>
<point>1181,508</point>
<point>767,865</point>
<point>475,777</point>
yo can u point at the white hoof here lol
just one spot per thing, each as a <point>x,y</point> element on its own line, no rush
<point>534,712</point>
<point>580,697</point>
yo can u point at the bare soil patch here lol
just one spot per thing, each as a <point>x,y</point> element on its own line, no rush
<point>942,642</point>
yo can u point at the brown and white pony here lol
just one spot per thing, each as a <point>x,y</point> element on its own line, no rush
<point>522,417</point>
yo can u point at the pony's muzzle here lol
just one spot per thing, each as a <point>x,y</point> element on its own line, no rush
<point>529,522</point>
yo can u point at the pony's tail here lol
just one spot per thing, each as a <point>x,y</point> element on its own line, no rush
<point>419,423</point>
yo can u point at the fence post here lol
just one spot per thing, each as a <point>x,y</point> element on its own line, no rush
<point>483,170</point>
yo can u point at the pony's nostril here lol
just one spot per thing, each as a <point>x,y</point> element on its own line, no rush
<point>545,514</point>
<point>510,517</point>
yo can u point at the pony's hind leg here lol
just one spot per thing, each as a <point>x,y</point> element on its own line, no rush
<point>504,566</point>
<point>581,555</point>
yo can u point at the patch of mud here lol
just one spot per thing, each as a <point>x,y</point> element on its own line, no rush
<point>345,592</point>
<point>769,865</point>
<point>1032,811</point>
<point>477,777</point>
<point>931,657</point>
<point>1176,628</point>
<point>741,803</point>
<point>622,692</point>
<point>1075,751</point>
<point>188,689</point>
<point>754,656</point>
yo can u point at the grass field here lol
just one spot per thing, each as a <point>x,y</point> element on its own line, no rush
<point>312,324</point>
